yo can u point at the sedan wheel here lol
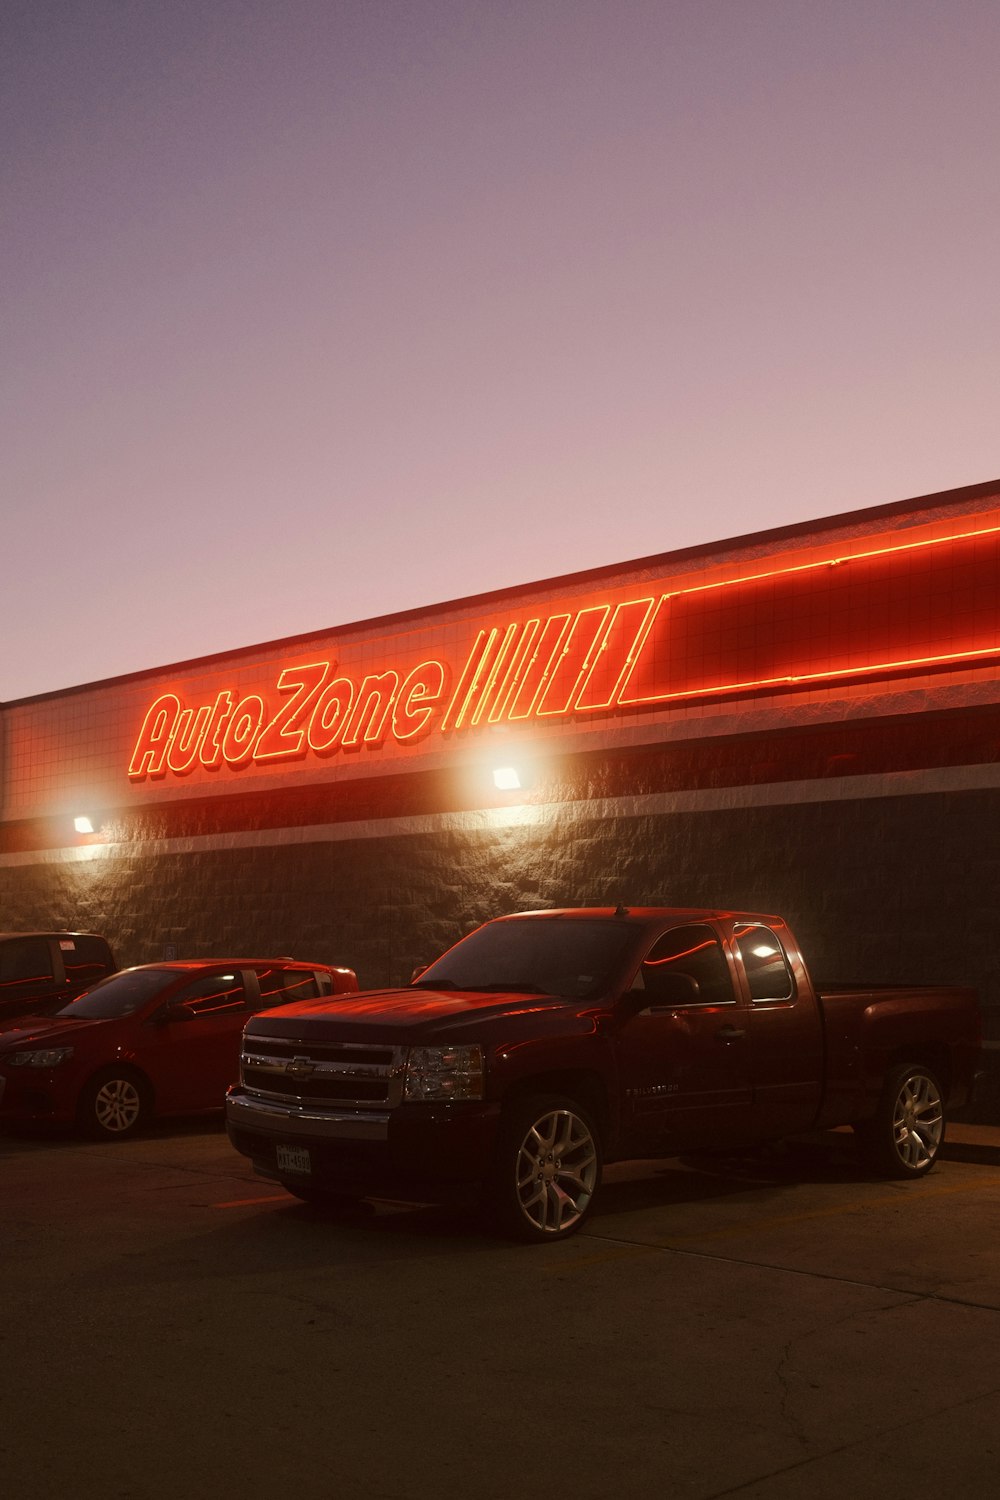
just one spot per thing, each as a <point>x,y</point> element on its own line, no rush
<point>113,1105</point>
<point>547,1171</point>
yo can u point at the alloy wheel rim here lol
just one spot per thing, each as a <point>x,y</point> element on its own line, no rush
<point>917,1122</point>
<point>556,1171</point>
<point>117,1105</point>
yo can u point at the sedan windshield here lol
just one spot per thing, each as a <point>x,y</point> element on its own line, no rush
<point>119,995</point>
<point>570,957</point>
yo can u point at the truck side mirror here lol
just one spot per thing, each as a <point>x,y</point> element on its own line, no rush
<point>663,991</point>
<point>674,989</point>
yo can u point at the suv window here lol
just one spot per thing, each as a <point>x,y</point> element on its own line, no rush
<point>85,958</point>
<point>25,966</point>
<point>767,971</point>
<point>212,994</point>
<point>282,986</point>
<point>686,966</point>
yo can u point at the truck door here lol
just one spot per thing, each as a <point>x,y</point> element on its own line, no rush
<point>683,1056</point>
<point>785,1030</point>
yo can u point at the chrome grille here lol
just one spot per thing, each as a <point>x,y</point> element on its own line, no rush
<point>316,1073</point>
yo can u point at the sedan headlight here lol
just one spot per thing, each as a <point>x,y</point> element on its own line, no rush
<point>444,1073</point>
<point>48,1057</point>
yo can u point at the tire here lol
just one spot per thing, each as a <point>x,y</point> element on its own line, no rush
<point>546,1171</point>
<point>114,1104</point>
<point>905,1135</point>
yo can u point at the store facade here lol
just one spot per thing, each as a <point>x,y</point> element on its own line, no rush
<point>804,720</point>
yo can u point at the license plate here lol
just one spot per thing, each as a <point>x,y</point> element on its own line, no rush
<point>293,1159</point>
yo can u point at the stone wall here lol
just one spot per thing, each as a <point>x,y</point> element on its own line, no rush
<point>891,889</point>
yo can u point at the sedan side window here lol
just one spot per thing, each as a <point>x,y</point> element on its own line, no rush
<point>282,986</point>
<point>213,994</point>
<point>686,966</point>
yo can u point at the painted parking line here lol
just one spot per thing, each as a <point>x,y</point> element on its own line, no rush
<point>245,1202</point>
<point>403,1203</point>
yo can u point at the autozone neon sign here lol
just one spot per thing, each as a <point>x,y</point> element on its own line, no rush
<point>892,608</point>
<point>535,668</point>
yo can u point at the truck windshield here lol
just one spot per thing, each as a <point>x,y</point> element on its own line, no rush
<point>119,995</point>
<point>562,956</point>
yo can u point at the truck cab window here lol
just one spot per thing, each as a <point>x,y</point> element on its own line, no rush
<point>767,971</point>
<point>686,966</point>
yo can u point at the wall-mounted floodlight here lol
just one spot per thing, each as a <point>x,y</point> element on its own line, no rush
<point>83,825</point>
<point>506,779</point>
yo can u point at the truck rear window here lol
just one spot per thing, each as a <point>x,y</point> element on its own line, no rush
<point>767,971</point>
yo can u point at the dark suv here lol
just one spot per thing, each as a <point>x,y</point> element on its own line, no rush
<point>42,971</point>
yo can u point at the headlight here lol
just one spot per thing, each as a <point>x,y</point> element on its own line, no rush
<point>49,1057</point>
<point>444,1073</point>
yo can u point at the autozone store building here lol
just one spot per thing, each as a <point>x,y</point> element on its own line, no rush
<point>806,720</point>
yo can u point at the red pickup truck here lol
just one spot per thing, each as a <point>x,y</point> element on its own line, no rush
<point>547,1043</point>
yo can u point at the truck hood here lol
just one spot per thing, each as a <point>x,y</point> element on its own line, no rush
<point>400,1010</point>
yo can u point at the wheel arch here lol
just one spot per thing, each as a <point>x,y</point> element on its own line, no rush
<point>585,1088</point>
<point>117,1069</point>
<point>934,1056</point>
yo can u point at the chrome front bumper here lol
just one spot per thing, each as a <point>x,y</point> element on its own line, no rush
<point>268,1118</point>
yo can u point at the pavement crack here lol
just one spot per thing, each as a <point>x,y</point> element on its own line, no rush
<point>910,1293</point>
<point>881,1432</point>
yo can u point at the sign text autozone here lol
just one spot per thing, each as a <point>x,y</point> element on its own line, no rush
<point>897,607</point>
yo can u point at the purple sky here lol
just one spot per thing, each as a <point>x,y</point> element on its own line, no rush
<point>319,309</point>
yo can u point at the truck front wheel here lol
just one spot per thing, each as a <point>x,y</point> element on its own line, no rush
<point>905,1135</point>
<point>547,1169</point>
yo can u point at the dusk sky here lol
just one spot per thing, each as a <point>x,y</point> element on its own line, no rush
<point>314,310</point>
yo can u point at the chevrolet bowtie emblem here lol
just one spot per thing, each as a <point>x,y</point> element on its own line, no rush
<point>300,1067</point>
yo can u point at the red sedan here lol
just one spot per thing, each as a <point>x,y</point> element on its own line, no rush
<point>160,1039</point>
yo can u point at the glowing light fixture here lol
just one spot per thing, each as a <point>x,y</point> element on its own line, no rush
<point>506,779</point>
<point>83,825</point>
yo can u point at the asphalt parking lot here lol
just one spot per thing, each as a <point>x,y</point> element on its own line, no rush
<point>772,1326</point>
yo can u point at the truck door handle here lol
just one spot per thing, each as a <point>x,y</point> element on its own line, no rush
<point>730,1033</point>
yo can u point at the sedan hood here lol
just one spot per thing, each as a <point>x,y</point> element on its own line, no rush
<point>49,1030</point>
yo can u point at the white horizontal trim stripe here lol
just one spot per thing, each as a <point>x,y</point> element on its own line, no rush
<point>482,820</point>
